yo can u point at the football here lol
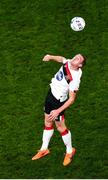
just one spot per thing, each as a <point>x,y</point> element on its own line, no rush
<point>77,23</point>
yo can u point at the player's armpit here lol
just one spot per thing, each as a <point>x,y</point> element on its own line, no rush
<point>75,91</point>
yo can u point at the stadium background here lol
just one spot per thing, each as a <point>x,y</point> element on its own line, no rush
<point>28,31</point>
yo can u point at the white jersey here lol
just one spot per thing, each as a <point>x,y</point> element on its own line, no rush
<point>60,87</point>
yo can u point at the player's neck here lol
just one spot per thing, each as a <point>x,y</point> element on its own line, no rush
<point>74,68</point>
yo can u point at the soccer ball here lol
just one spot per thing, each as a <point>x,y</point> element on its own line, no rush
<point>77,23</point>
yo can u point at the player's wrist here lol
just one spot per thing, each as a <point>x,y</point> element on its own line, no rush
<point>59,110</point>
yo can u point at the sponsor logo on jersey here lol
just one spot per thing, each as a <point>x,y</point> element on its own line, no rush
<point>59,76</point>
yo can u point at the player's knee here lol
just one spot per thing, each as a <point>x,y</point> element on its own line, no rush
<point>60,129</point>
<point>48,123</point>
<point>47,117</point>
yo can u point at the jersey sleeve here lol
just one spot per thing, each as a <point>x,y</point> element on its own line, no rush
<point>74,85</point>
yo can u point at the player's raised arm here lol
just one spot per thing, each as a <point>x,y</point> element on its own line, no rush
<point>49,57</point>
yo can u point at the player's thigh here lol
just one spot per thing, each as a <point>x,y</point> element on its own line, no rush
<point>48,122</point>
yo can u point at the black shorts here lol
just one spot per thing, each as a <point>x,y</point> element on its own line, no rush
<point>52,103</point>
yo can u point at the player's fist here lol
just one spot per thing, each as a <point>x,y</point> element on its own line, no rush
<point>46,58</point>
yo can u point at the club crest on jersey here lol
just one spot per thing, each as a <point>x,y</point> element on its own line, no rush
<point>59,76</point>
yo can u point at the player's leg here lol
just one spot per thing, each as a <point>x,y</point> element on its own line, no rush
<point>66,137</point>
<point>48,128</point>
<point>65,133</point>
<point>47,134</point>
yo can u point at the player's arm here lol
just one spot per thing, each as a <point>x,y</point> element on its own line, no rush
<point>49,57</point>
<point>70,101</point>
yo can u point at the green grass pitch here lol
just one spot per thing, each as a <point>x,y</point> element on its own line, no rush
<point>29,29</point>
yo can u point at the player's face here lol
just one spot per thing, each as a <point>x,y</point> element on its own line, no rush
<point>77,61</point>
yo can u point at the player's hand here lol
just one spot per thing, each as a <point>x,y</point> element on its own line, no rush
<point>46,57</point>
<point>53,114</point>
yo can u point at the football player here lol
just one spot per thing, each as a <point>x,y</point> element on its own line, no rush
<point>62,93</point>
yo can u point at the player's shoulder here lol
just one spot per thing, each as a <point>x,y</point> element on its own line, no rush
<point>80,72</point>
<point>76,74</point>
